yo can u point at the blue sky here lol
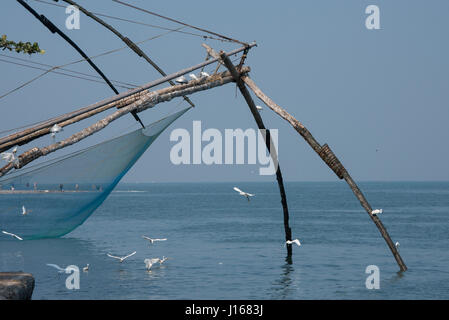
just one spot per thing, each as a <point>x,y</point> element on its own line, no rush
<point>358,90</point>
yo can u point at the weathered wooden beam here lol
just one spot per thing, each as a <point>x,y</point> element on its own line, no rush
<point>147,100</point>
<point>331,160</point>
<point>49,123</point>
<point>42,132</point>
<point>269,144</point>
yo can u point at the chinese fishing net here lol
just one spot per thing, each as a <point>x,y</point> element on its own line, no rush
<point>59,195</point>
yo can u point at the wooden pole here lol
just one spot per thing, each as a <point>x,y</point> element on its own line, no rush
<point>42,132</point>
<point>331,160</point>
<point>146,101</point>
<point>272,150</point>
<point>49,123</point>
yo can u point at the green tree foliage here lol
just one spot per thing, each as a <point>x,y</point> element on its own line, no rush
<point>25,47</point>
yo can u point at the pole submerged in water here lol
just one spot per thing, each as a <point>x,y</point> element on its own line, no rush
<point>327,155</point>
<point>271,149</point>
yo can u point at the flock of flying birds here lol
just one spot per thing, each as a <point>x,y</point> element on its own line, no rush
<point>148,262</point>
<point>11,157</point>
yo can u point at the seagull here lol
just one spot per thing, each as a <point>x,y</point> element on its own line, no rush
<point>60,270</point>
<point>181,80</point>
<point>86,268</point>
<point>259,108</point>
<point>397,245</point>
<point>194,77</point>
<point>121,259</point>
<point>161,261</point>
<point>9,156</point>
<point>293,241</point>
<point>12,235</point>
<point>55,129</point>
<point>376,212</point>
<point>153,240</point>
<point>247,195</point>
<point>25,211</point>
<point>204,74</point>
<point>149,262</point>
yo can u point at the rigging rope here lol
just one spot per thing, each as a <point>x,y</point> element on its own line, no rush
<point>142,23</point>
<point>126,40</point>
<point>64,74</point>
<point>125,84</point>
<point>180,22</point>
<point>81,60</point>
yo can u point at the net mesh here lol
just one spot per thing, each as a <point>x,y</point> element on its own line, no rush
<point>61,194</point>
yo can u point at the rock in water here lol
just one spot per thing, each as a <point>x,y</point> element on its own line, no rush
<point>16,285</point>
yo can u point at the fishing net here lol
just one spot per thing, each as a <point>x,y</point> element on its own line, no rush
<point>60,194</point>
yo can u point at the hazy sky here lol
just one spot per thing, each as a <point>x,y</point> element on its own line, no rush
<point>356,89</point>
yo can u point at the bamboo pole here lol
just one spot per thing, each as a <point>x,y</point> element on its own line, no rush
<point>269,144</point>
<point>147,100</point>
<point>56,120</point>
<point>331,160</point>
<point>126,40</point>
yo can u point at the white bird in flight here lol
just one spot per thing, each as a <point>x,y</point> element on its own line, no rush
<point>12,235</point>
<point>9,156</point>
<point>161,261</point>
<point>293,241</point>
<point>153,240</point>
<point>149,262</point>
<point>245,194</point>
<point>194,77</point>
<point>376,212</point>
<point>55,129</point>
<point>181,80</point>
<point>86,268</point>
<point>121,259</point>
<point>60,270</point>
<point>25,211</point>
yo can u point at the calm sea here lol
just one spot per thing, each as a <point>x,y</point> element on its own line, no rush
<point>223,247</point>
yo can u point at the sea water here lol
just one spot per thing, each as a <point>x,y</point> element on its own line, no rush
<point>223,247</point>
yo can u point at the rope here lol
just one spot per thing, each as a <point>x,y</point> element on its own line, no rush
<point>142,23</point>
<point>179,22</point>
<point>127,85</point>
<point>65,74</point>
<point>78,61</point>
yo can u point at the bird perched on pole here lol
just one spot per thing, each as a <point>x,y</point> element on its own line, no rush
<point>181,80</point>
<point>193,76</point>
<point>9,156</point>
<point>55,129</point>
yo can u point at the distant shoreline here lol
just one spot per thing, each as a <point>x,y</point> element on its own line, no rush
<point>41,191</point>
